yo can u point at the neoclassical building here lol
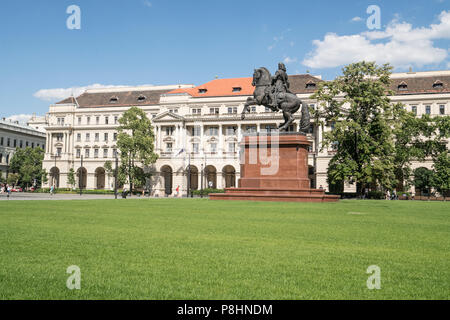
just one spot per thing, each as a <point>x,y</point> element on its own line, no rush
<point>14,135</point>
<point>199,127</point>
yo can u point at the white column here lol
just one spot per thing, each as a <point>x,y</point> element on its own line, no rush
<point>221,136</point>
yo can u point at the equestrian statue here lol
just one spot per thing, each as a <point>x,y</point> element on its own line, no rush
<point>273,92</point>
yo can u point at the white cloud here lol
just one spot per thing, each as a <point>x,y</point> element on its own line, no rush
<point>399,44</point>
<point>22,118</point>
<point>63,93</point>
<point>289,60</point>
<point>356,19</point>
<point>147,3</point>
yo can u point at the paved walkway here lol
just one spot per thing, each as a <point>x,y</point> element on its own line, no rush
<point>47,196</point>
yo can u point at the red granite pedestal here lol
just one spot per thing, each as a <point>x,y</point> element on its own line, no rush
<point>274,168</point>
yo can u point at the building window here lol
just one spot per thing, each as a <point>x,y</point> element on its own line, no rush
<point>78,137</point>
<point>78,153</point>
<point>106,137</point>
<point>7,159</point>
<point>26,144</point>
<point>95,153</point>
<point>253,109</point>
<point>59,137</point>
<point>237,89</point>
<point>267,109</point>
<point>169,147</point>
<point>88,137</point>
<point>438,85</point>
<point>8,142</point>
<point>232,147</point>
<point>169,131</point>
<point>173,110</point>
<point>97,120</point>
<point>196,131</point>
<point>195,147</point>
<point>402,86</point>
<point>213,110</point>
<point>115,136</point>
<point>310,85</point>
<point>1,141</point>
<point>141,98</point>
<point>196,111</point>
<point>250,129</point>
<point>213,147</point>
<point>58,152</point>
<point>105,153</point>
<point>114,153</point>
<point>32,145</point>
<point>116,119</point>
<point>60,121</point>
<point>441,111</point>
<point>1,158</point>
<point>106,120</point>
<point>201,91</point>
<point>414,109</point>
<point>79,120</point>
<point>428,109</point>
<point>231,131</point>
<point>15,143</point>
<point>88,120</point>
<point>97,137</point>
<point>21,144</point>
<point>213,131</point>
<point>86,153</point>
<point>232,110</point>
<point>113,99</point>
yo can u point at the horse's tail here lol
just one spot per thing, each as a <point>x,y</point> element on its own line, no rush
<point>305,120</point>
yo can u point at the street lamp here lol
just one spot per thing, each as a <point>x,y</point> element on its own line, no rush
<point>81,177</point>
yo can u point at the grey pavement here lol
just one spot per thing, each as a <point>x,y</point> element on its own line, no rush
<point>46,196</point>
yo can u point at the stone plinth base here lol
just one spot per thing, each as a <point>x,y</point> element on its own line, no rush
<point>274,168</point>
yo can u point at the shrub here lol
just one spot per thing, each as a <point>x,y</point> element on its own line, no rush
<point>207,191</point>
<point>376,195</point>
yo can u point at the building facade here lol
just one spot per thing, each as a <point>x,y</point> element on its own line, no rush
<point>198,129</point>
<point>14,135</point>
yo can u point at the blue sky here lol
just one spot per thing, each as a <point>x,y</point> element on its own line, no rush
<point>167,42</point>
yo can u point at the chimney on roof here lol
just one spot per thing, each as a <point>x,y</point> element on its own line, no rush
<point>410,70</point>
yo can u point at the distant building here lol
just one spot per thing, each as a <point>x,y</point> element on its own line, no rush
<point>201,124</point>
<point>14,135</point>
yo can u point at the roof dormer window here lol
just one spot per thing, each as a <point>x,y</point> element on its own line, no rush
<point>438,85</point>
<point>402,86</point>
<point>310,85</point>
<point>237,89</point>
<point>114,99</point>
<point>141,98</point>
<point>202,90</point>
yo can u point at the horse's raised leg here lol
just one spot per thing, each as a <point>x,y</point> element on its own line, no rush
<point>250,102</point>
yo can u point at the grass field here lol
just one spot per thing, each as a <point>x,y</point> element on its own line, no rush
<point>201,249</point>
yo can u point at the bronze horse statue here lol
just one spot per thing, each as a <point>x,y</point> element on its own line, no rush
<point>290,103</point>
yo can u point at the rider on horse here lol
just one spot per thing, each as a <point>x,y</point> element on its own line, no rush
<point>280,84</point>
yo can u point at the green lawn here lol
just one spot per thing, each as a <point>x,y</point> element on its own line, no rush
<point>201,249</point>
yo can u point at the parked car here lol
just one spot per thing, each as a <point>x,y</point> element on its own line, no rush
<point>17,189</point>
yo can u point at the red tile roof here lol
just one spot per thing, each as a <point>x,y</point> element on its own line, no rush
<point>220,87</point>
<point>224,87</point>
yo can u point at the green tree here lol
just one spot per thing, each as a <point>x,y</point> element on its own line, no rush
<point>71,177</point>
<point>423,179</point>
<point>13,179</point>
<point>441,173</point>
<point>358,106</point>
<point>27,163</point>
<point>412,141</point>
<point>136,143</point>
